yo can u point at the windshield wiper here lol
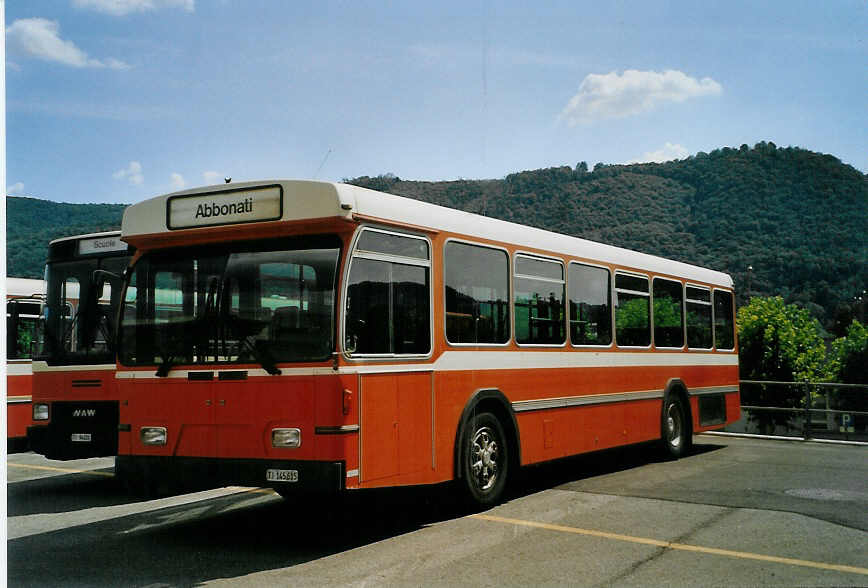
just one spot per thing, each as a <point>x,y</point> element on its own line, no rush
<point>167,356</point>
<point>261,356</point>
<point>245,330</point>
<point>168,362</point>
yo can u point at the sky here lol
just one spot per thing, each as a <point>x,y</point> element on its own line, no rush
<point>116,101</point>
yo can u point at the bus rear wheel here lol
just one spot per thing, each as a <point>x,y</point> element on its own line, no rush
<point>485,460</point>
<point>677,434</point>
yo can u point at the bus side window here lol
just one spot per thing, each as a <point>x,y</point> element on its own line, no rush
<point>632,311</point>
<point>477,294</point>
<point>22,327</point>
<point>668,313</point>
<point>699,333</point>
<point>724,325</point>
<point>539,301</point>
<point>388,296</point>
<point>590,305</point>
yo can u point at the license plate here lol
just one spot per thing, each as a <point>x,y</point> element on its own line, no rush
<point>81,437</point>
<point>281,475</point>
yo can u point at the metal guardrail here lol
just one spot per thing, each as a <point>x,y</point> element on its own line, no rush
<point>817,410</point>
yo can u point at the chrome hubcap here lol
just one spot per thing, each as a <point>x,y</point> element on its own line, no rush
<point>484,456</point>
<point>673,425</point>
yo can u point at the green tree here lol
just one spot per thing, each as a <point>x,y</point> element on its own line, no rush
<point>778,342</point>
<point>848,362</point>
<point>667,312</point>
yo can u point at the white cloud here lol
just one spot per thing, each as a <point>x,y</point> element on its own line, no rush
<point>40,38</point>
<point>668,152</point>
<point>124,7</point>
<point>112,63</point>
<point>133,173</point>
<point>178,182</point>
<point>16,188</point>
<point>212,177</point>
<point>604,96</point>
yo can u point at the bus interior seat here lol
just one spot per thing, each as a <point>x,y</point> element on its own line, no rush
<point>284,323</point>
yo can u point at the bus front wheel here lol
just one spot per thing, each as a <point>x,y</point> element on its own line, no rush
<point>677,434</point>
<point>485,459</point>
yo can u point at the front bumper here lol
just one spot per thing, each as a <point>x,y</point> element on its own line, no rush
<point>93,425</point>
<point>147,471</point>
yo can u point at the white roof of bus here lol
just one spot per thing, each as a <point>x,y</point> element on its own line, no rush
<point>308,199</point>
<point>88,236</point>
<point>24,287</point>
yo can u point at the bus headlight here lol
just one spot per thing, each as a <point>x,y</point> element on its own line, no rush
<point>286,437</point>
<point>40,412</point>
<point>153,435</point>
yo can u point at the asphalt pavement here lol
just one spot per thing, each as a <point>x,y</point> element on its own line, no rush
<point>735,512</point>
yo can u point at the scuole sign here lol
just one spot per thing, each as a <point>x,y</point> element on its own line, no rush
<point>101,245</point>
<point>224,208</point>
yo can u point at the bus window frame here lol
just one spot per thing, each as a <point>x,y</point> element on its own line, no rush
<point>683,314</point>
<point>345,276</point>
<point>611,344</point>
<point>713,323</point>
<point>710,303</point>
<point>563,282</point>
<point>509,270</point>
<point>615,291</point>
<point>16,319</point>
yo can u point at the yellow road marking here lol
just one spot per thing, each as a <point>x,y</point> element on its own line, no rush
<point>64,470</point>
<point>677,546</point>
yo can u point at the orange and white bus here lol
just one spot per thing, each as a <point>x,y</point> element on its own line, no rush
<point>317,336</point>
<point>75,406</point>
<point>23,309</point>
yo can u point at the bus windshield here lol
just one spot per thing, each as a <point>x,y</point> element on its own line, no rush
<point>81,304</point>
<point>245,302</point>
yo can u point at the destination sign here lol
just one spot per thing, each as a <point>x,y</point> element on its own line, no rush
<point>224,208</point>
<point>101,245</point>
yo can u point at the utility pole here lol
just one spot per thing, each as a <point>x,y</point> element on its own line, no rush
<point>749,276</point>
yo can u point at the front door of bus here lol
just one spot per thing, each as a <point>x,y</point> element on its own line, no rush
<point>397,424</point>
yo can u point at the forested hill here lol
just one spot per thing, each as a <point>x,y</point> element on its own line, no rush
<point>32,223</point>
<point>799,218</point>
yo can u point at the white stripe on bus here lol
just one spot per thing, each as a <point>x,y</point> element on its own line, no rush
<point>588,400</point>
<point>594,399</point>
<point>18,369</point>
<point>43,367</point>
<point>486,360</point>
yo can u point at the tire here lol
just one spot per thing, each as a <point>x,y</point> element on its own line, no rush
<point>676,429</point>
<point>484,460</point>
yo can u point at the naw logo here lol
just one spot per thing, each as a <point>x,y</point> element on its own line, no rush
<point>84,412</point>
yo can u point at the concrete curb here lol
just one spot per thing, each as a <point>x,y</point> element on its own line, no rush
<point>780,438</point>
